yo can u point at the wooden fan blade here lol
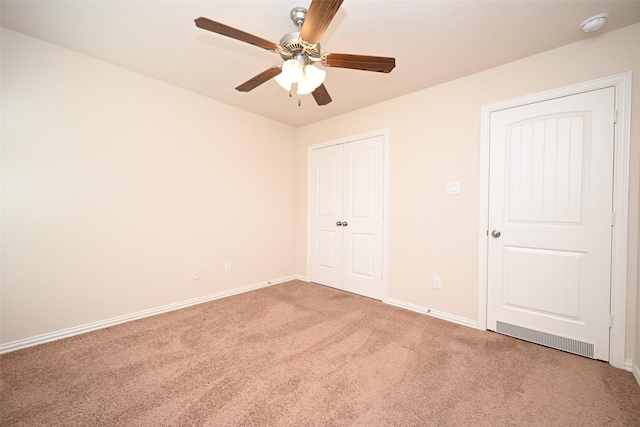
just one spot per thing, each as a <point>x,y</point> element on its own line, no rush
<point>259,79</point>
<point>318,18</point>
<point>216,27</point>
<point>380,64</point>
<point>321,95</point>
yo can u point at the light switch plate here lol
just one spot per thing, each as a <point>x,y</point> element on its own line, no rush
<point>453,188</point>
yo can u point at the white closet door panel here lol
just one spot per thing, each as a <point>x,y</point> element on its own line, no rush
<point>363,212</point>
<point>326,198</point>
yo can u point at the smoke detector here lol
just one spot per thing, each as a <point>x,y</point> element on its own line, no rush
<point>594,23</point>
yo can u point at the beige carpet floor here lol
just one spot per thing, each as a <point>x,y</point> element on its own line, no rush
<point>300,354</point>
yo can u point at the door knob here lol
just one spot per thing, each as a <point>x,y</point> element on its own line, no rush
<point>339,223</point>
<point>345,223</point>
<point>495,233</point>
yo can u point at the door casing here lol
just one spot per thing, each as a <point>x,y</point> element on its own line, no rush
<point>622,84</point>
<point>384,133</point>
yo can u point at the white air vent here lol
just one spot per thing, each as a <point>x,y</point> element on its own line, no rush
<point>554,341</point>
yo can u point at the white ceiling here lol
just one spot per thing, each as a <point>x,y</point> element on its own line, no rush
<point>432,41</point>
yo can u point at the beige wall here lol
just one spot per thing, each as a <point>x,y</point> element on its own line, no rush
<point>115,186</point>
<point>435,138</point>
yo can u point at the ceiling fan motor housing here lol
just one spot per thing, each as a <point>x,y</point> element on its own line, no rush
<point>292,45</point>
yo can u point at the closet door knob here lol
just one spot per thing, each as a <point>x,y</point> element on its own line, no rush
<point>338,223</point>
<point>495,233</point>
<point>344,223</point>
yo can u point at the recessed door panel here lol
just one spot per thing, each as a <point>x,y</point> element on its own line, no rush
<point>362,188</point>
<point>362,255</point>
<point>547,164</point>
<point>326,249</point>
<point>328,203</point>
<point>544,281</point>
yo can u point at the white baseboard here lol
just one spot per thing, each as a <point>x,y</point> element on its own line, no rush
<point>628,365</point>
<point>444,316</point>
<point>77,330</point>
<point>636,372</point>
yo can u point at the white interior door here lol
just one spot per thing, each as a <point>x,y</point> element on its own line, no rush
<point>346,216</point>
<point>550,217</point>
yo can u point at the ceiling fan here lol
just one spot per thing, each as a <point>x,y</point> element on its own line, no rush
<point>301,50</point>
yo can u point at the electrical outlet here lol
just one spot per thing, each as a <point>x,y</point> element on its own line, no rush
<point>227,268</point>
<point>196,274</point>
<point>437,282</point>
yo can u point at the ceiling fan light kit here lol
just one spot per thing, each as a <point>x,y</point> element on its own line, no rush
<point>308,77</point>
<point>300,50</point>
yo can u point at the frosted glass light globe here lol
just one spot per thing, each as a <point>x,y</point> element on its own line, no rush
<point>292,72</point>
<point>313,77</point>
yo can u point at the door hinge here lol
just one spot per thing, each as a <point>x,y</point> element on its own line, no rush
<point>615,116</point>
<point>613,219</point>
<point>611,320</point>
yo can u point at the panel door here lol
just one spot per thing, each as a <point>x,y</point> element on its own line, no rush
<point>550,213</point>
<point>326,206</point>
<point>363,213</point>
<point>346,216</point>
